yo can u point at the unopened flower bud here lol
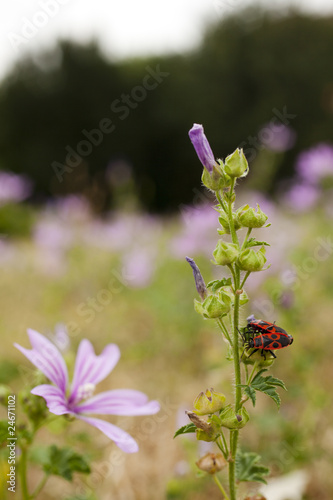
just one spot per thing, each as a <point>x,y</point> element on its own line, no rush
<point>236,164</point>
<point>202,147</point>
<point>252,261</point>
<point>212,307</point>
<point>200,423</point>
<point>208,402</point>
<point>248,217</point>
<point>225,253</point>
<point>232,420</point>
<point>199,281</point>
<point>211,463</point>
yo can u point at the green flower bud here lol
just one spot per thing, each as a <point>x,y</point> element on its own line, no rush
<point>223,220</point>
<point>211,463</point>
<point>249,359</point>
<point>214,308</point>
<point>252,261</point>
<point>248,217</point>
<point>209,402</point>
<point>231,420</point>
<point>217,179</point>
<point>225,253</point>
<point>236,164</point>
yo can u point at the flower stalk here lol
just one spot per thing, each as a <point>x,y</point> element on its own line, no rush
<point>222,301</point>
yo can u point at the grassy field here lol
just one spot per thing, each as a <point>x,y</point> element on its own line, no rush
<point>125,281</point>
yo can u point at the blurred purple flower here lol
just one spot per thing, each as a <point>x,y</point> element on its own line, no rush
<point>316,163</point>
<point>73,208</point>
<point>89,370</point>
<point>277,137</point>
<point>139,266</point>
<point>198,233</point>
<point>52,234</point>
<point>302,197</point>
<point>202,146</point>
<point>13,187</point>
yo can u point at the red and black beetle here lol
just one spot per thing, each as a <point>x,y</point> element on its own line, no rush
<point>265,336</point>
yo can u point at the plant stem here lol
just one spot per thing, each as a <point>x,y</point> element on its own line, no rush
<point>245,278</point>
<point>231,219</point>
<point>40,486</point>
<point>217,481</point>
<point>246,237</point>
<point>221,202</point>
<point>23,473</point>
<point>224,330</point>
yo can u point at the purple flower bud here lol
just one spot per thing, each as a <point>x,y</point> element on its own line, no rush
<point>202,147</point>
<point>199,281</point>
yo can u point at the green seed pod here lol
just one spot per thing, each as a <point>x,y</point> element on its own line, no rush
<point>252,261</point>
<point>209,402</point>
<point>231,420</point>
<point>236,164</point>
<point>217,179</point>
<point>214,308</point>
<point>248,217</point>
<point>225,253</point>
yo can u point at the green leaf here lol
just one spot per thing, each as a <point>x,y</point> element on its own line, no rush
<point>186,429</point>
<point>251,393</point>
<point>217,284</point>
<point>64,461</point>
<point>252,242</point>
<point>266,385</point>
<point>248,468</point>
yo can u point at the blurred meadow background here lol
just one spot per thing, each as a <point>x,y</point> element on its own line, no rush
<point>101,200</point>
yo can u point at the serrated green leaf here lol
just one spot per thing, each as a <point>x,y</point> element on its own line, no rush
<point>267,386</point>
<point>217,284</point>
<point>251,393</point>
<point>252,242</point>
<point>64,461</point>
<point>186,429</point>
<point>248,468</point>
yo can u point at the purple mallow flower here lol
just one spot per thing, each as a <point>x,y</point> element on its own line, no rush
<point>202,147</point>
<point>302,196</point>
<point>316,163</point>
<point>77,399</point>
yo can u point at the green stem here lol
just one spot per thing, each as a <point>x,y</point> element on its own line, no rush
<point>221,202</point>
<point>224,442</point>
<point>224,330</point>
<point>231,219</point>
<point>245,278</point>
<point>40,486</point>
<point>217,481</point>
<point>255,366</point>
<point>23,474</point>
<point>238,390</point>
<point>246,237</point>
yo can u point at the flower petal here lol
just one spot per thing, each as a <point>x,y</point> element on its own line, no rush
<point>120,402</point>
<point>120,437</point>
<point>54,398</point>
<point>90,368</point>
<point>46,357</point>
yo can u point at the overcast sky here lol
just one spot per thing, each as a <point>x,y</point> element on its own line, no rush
<point>124,28</point>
